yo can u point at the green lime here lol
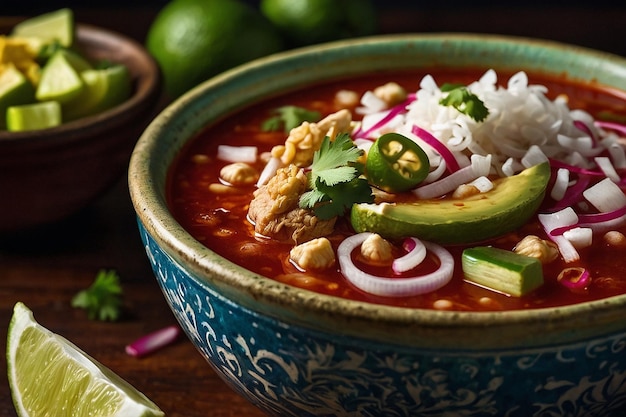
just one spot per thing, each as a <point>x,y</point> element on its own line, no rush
<point>193,40</point>
<point>60,77</point>
<point>41,115</point>
<point>306,22</point>
<point>15,89</point>
<point>50,376</point>
<point>103,89</point>
<point>395,163</point>
<point>53,26</point>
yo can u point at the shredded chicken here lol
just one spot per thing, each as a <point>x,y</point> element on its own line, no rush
<point>315,254</point>
<point>275,212</point>
<point>535,247</point>
<point>305,139</point>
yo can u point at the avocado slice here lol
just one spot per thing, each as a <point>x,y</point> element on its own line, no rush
<point>511,203</point>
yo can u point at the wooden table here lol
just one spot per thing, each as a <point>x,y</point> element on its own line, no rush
<point>44,269</point>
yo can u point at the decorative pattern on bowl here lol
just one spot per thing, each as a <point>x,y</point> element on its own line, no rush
<point>288,370</point>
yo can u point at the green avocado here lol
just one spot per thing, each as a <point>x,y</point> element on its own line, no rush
<point>511,203</point>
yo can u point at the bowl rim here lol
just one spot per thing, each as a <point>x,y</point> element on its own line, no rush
<point>147,87</point>
<point>268,296</point>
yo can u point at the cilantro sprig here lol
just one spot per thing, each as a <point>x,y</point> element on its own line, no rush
<point>462,99</point>
<point>287,117</point>
<point>102,299</point>
<point>334,180</point>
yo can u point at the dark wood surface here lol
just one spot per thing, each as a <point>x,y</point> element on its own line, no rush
<point>46,267</point>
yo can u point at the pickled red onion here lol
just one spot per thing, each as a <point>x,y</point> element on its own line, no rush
<point>154,341</point>
<point>393,112</point>
<point>574,278</point>
<point>441,148</point>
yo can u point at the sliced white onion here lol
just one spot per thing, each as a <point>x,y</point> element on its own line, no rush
<point>606,196</point>
<point>483,184</point>
<point>237,153</point>
<point>534,156</point>
<point>511,166</point>
<point>618,155</point>
<point>480,166</point>
<point>269,171</point>
<point>562,218</point>
<point>437,173</point>
<point>580,237</point>
<point>371,103</point>
<point>446,184</point>
<point>605,165</point>
<point>394,287</point>
<point>415,255</point>
<point>560,184</point>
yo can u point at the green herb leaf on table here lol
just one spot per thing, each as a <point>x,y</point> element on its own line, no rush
<point>103,299</point>
<point>288,117</point>
<point>334,180</point>
<point>462,99</point>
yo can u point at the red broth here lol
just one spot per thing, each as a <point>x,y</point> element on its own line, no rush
<point>219,221</point>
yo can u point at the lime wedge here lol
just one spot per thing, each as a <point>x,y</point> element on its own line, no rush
<point>33,116</point>
<point>50,376</point>
<point>54,26</point>
<point>15,89</point>
<point>60,77</point>
<point>104,89</point>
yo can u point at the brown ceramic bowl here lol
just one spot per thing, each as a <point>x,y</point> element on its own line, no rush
<point>49,174</point>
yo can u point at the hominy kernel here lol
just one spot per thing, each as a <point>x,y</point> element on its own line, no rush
<point>200,159</point>
<point>346,98</point>
<point>443,304</point>
<point>615,238</point>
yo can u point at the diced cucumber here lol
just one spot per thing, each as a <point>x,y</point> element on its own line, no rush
<point>502,270</point>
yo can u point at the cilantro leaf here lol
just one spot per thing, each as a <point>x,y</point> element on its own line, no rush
<point>462,99</point>
<point>342,196</point>
<point>334,179</point>
<point>312,197</point>
<point>288,117</point>
<point>102,299</point>
<point>332,163</point>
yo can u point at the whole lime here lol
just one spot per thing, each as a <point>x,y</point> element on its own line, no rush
<point>193,40</point>
<point>306,22</point>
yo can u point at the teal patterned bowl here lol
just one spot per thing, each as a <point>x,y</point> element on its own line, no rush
<point>292,352</point>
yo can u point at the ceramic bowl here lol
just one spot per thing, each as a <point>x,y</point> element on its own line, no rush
<point>49,174</point>
<point>293,352</point>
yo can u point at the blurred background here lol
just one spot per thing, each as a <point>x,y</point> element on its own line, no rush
<point>598,24</point>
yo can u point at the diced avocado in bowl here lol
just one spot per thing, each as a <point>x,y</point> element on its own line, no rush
<point>43,50</point>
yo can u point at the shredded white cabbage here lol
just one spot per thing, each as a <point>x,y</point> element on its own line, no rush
<point>521,117</point>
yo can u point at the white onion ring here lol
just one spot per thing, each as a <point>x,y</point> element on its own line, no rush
<point>415,255</point>
<point>394,287</point>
